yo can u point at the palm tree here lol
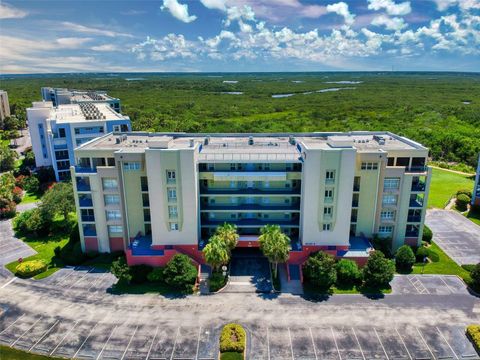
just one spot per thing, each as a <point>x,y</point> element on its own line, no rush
<point>274,244</point>
<point>216,252</point>
<point>228,234</point>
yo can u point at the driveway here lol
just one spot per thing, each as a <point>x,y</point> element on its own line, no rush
<point>456,235</point>
<point>11,248</point>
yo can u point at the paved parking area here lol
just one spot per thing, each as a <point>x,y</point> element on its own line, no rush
<point>428,284</point>
<point>456,235</point>
<point>249,273</point>
<point>11,248</point>
<point>82,278</point>
<point>90,339</point>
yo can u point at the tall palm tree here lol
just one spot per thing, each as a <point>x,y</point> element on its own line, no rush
<point>216,252</point>
<point>228,233</point>
<point>274,244</point>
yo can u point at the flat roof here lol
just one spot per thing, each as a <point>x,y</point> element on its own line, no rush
<point>252,146</point>
<point>69,113</point>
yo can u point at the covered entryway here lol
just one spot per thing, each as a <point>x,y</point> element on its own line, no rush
<point>249,271</point>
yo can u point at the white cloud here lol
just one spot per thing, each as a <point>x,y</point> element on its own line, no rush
<point>341,9</point>
<point>239,13</point>
<point>169,47</point>
<point>389,23</point>
<point>106,48</point>
<point>443,5</point>
<point>390,7</point>
<point>214,4</point>
<point>9,12</point>
<point>179,11</point>
<point>72,42</point>
<point>92,30</point>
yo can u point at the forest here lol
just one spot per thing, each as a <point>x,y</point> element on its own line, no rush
<point>439,110</point>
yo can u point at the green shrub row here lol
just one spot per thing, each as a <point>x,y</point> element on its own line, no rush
<point>473,332</point>
<point>233,338</point>
<point>30,268</point>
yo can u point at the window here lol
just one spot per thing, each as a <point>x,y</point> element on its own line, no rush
<point>111,199</point>
<point>328,195</point>
<point>110,184</point>
<point>327,227</point>
<point>389,199</point>
<point>233,167</point>
<point>144,183</point>
<point>327,210</point>
<point>385,229</point>
<point>116,128</point>
<point>87,214</point>
<point>145,200</point>
<point>61,132</point>
<point>390,161</point>
<point>330,176</point>
<point>369,166</point>
<point>113,215</point>
<point>173,226</point>
<point>172,212</point>
<point>172,194</point>
<point>114,229</point>
<point>171,177</point>
<point>391,183</point>
<point>131,166</point>
<point>387,215</point>
<point>146,215</point>
<point>111,161</point>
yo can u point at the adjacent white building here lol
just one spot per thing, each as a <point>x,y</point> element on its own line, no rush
<point>62,96</point>
<point>4,105</point>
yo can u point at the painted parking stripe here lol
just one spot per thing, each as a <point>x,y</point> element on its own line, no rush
<point>358,342</point>
<point>175,342</point>
<point>8,327</point>
<point>448,286</point>
<point>151,345</point>
<point>313,343</point>
<point>198,342</point>
<point>423,339</point>
<point>90,270</point>
<point>63,339</point>
<point>291,345</point>
<point>28,330</point>
<point>106,342</point>
<point>336,345</point>
<point>405,345</point>
<point>443,337</point>
<point>268,345</point>
<point>44,334</point>
<point>381,344</point>
<point>9,282</point>
<point>129,342</point>
<point>84,341</point>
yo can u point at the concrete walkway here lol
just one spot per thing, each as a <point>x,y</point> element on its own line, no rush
<point>289,287</point>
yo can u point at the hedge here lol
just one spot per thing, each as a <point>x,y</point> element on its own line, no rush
<point>30,268</point>
<point>473,332</point>
<point>232,338</point>
<point>231,356</point>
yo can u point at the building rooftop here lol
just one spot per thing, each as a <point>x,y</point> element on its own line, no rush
<point>245,147</point>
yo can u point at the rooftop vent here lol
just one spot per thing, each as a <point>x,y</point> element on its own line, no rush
<point>192,143</point>
<point>291,140</point>
<point>250,140</point>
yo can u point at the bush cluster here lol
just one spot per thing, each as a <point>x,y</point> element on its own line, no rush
<point>30,268</point>
<point>473,332</point>
<point>233,338</point>
<point>179,272</point>
<point>404,258</point>
<point>427,234</point>
<point>462,202</point>
<point>475,275</point>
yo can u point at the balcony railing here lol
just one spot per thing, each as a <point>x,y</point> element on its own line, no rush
<point>82,186</point>
<point>85,170</point>
<point>250,191</point>
<point>90,218</point>
<point>251,222</point>
<point>329,181</point>
<point>328,200</point>
<point>418,186</point>
<point>416,203</point>
<point>415,169</point>
<point>85,202</point>
<point>250,207</point>
<point>414,218</point>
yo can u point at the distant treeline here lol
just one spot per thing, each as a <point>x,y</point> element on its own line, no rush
<point>439,110</point>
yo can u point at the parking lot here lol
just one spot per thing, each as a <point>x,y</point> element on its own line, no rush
<point>90,339</point>
<point>81,278</point>
<point>10,247</point>
<point>428,285</point>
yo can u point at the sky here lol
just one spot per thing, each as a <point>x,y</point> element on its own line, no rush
<point>238,35</point>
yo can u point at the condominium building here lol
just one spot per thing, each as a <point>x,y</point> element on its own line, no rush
<point>155,194</point>
<point>56,131</point>
<point>62,96</point>
<point>4,106</point>
<point>476,188</point>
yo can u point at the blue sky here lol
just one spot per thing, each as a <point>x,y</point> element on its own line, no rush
<point>239,35</point>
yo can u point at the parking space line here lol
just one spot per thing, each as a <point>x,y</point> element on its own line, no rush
<point>448,286</point>
<point>403,342</point>
<point>9,282</point>
<point>1,332</point>
<point>268,345</point>
<point>89,271</point>
<point>151,345</point>
<point>360,346</point>
<point>335,341</point>
<point>62,279</point>
<point>417,278</point>
<point>291,346</point>
<point>84,341</point>
<point>98,280</point>
<point>44,334</point>
<point>313,343</point>
<point>198,342</point>
<point>106,342</point>
<point>129,341</point>
<point>415,286</point>
<point>381,344</point>
<point>428,347</point>
<point>30,328</point>
<point>175,342</point>
<point>63,339</point>
<point>443,337</point>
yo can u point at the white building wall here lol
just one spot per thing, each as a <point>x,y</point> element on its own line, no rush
<point>38,115</point>
<point>4,105</point>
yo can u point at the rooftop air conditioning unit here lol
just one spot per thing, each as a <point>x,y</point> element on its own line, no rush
<point>250,140</point>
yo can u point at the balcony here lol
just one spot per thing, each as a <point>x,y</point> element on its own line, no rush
<point>414,218</point>
<point>329,181</point>
<point>85,202</point>
<point>83,186</point>
<point>88,218</point>
<point>250,191</point>
<point>412,233</point>
<point>250,207</point>
<point>85,170</point>
<point>328,200</point>
<point>419,186</point>
<point>416,203</point>
<point>416,169</point>
<point>250,222</point>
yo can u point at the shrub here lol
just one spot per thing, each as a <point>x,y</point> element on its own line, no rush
<point>231,356</point>
<point>31,222</point>
<point>404,258</point>
<point>422,253</point>
<point>20,181</point>
<point>467,192</point>
<point>433,256</point>
<point>17,194</point>
<point>155,275</point>
<point>347,272</point>
<point>427,234</point>
<point>475,275</point>
<point>121,271</point>
<point>320,270</point>
<point>140,273</point>
<point>217,281</point>
<point>383,244</point>
<point>378,271</point>
<point>8,209</point>
<point>31,184</point>
<point>462,202</point>
<point>31,268</point>
<point>473,332</point>
<point>179,272</point>
<point>233,338</point>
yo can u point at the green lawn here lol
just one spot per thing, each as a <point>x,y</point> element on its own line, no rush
<point>45,247</point>
<point>311,290</point>
<point>7,353</point>
<point>30,198</point>
<point>474,217</point>
<point>445,265</point>
<point>444,184</point>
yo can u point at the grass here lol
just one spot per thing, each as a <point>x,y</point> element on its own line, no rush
<point>148,288</point>
<point>8,353</point>
<point>474,217</point>
<point>444,184</point>
<point>30,198</point>
<point>45,247</point>
<point>444,266</point>
<point>339,289</point>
